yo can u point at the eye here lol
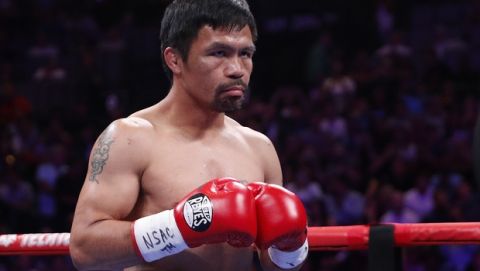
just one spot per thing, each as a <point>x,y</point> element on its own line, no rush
<point>246,54</point>
<point>218,53</point>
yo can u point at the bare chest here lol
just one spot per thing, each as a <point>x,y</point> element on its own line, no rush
<point>177,169</point>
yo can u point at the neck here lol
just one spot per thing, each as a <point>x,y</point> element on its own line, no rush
<point>183,112</point>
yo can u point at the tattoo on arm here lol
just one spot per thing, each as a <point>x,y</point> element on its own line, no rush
<point>100,156</point>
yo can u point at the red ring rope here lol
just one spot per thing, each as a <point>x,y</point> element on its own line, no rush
<point>319,238</point>
<point>34,244</point>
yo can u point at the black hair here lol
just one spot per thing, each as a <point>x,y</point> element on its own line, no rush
<point>183,19</point>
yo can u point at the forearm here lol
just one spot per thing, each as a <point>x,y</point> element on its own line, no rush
<point>105,244</point>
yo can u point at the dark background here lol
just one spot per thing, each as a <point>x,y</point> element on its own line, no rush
<point>372,119</point>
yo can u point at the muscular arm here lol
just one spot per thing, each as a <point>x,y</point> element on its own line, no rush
<point>273,175</point>
<point>272,168</point>
<point>100,234</point>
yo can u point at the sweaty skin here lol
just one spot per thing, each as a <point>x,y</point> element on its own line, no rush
<point>146,163</point>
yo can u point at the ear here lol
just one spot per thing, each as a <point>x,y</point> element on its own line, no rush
<point>173,60</point>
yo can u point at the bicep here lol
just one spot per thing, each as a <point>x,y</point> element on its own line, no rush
<point>114,198</point>
<point>112,182</point>
<point>272,168</point>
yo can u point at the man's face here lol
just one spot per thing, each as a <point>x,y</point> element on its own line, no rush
<point>217,70</point>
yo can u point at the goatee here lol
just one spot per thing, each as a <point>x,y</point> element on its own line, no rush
<point>225,103</point>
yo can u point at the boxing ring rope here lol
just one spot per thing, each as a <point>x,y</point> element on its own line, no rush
<point>415,234</point>
<point>320,238</point>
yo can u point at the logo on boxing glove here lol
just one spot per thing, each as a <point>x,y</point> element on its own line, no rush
<point>198,212</point>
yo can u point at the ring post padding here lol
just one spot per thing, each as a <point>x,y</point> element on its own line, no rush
<point>381,248</point>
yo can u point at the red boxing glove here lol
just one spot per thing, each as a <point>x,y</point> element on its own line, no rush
<point>282,224</point>
<point>221,210</point>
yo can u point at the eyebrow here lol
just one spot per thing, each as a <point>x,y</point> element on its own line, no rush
<point>221,45</point>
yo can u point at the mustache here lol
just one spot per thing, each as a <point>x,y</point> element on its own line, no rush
<point>237,82</point>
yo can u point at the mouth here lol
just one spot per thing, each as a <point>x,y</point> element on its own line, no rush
<point>234,91</point>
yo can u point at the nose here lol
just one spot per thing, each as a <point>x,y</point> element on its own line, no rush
<point>235,68</point>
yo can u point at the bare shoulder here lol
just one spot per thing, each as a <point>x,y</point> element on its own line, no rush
<point>263,147</point>
<point>129,128</point>
<point>253,137</point>
<point>129,135</point>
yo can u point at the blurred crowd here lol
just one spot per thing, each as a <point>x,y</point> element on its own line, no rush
<point>374,135</point>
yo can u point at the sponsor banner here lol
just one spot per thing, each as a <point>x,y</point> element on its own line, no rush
<point>34,244</point>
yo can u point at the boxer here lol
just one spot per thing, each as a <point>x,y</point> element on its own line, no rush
<point>155,196</point>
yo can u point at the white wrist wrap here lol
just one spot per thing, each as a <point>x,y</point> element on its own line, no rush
<point>288,259</point>
<point>158,236</point>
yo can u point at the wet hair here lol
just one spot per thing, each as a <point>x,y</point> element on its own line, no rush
<point>183,19</point>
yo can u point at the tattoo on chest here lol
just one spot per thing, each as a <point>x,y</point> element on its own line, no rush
<point>100,156</point>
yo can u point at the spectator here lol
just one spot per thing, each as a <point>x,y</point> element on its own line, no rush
<point>397,212</point>
<point>419,199</point>
<point>306,186</point>
<point>47,175</point>
<point>395,47</point>
<point>344,205</point>
<point>18,196</point>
